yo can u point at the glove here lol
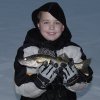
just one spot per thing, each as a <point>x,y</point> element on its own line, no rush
<point>46,74</point>
<point>70,74</point>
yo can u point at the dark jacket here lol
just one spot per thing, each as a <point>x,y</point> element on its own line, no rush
<point>54,91</point>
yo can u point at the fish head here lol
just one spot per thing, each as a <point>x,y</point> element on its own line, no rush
<point>30,62</point>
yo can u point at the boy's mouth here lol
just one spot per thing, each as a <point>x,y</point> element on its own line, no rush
<point>51,33</point>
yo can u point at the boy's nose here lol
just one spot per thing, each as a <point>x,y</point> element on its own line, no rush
<point>52,26</point>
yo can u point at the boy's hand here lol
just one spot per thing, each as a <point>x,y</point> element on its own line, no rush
<point>70,73</point>
<point>46,73</point>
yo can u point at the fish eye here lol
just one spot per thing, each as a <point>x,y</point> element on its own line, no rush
<point>25,59</point>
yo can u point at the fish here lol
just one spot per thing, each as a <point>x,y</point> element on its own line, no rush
<point>34,61</point>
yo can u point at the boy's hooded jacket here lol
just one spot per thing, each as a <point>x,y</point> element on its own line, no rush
<point>33,42</point>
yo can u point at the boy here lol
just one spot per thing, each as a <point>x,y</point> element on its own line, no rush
<point>50,81</point>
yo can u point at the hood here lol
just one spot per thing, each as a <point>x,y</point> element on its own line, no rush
<point>34,35</point>
<point>56,11</point>
<point>53,8</point>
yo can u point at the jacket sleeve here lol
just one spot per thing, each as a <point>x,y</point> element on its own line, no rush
<point>24,82</point>
<point>77,54</point>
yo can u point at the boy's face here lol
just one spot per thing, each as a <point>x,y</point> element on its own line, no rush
<point>50,28</point>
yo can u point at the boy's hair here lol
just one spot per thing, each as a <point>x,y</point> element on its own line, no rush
<point>39,16</point>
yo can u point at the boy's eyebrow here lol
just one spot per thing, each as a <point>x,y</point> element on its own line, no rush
<point>49,20</point>
<point>45,20</point>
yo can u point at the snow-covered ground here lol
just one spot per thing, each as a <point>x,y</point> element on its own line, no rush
<point>83,18</point>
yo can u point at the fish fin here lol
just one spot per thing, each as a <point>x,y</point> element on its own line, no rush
<point>83,66</point>
<point>64,57</point>
<point>87,62</point>
<point>29,74</point>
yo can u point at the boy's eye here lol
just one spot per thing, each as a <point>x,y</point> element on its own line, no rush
<point>57,22</point>
<point>45,22</point>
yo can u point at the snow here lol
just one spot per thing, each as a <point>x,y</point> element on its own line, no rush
<point>15,20</point>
